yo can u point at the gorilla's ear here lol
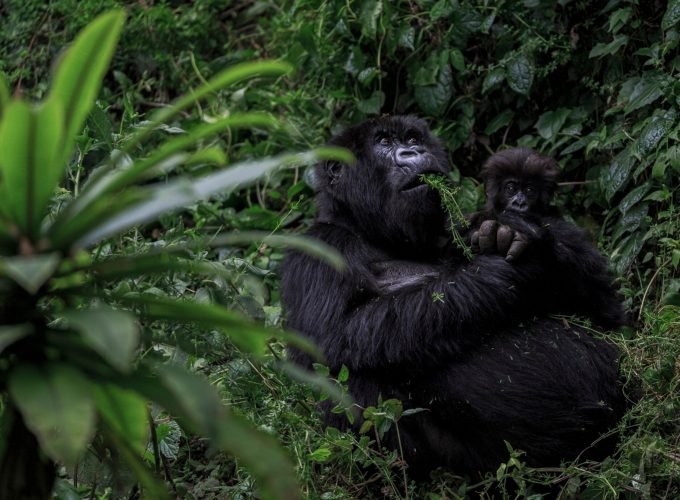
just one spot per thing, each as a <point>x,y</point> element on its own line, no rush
<point>333,171</point>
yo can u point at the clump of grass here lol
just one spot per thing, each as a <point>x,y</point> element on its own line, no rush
<point>447,194</point>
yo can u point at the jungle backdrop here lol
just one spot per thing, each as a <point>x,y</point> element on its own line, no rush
<point>594,84</point>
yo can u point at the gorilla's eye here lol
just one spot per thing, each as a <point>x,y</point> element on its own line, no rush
<point>412,141</point>
<point>511,188</point>
<point>530,190</point>
<point>383,140</point>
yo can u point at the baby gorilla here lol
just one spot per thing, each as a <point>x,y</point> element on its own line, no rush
<point>520,185</point>
<point>520,180</point>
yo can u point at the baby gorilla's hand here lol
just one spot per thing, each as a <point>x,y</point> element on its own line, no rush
<point>493,237</point>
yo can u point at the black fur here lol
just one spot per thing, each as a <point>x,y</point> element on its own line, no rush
<point>486,363</point>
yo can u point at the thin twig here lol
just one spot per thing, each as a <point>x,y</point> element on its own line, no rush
<point>649,285</point>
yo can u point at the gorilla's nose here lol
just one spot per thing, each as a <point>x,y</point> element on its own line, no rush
<point>407,156</point>
<point>520,206</point>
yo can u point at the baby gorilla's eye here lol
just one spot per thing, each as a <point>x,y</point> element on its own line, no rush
<point>511,188</point>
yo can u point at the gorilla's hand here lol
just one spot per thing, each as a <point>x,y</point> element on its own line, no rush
<point>493,237</point>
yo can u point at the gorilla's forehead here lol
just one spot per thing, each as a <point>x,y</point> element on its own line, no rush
<point>358,136</point>
<point>399,126</point>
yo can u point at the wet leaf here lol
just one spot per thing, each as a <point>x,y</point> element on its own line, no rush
<point>433,99</point>
<point>633,197</point>
<point>113,334</point>
<point>30,272</point>
<point>520,74</point>
<point>608,49</point>
<point>499,121</point>
<point>618,174</point>
<point>373,105</point>
<point>550,123</point>
<point>492,79</point>
<point>56,403</point>
<point>370,13</point>
<point>672,15</point>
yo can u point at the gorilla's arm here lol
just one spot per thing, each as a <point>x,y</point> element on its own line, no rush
<point>584,274</point>
<point>356,324</point>
<point>582,282</point>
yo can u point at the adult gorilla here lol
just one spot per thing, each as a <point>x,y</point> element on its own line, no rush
<point>414,320</point>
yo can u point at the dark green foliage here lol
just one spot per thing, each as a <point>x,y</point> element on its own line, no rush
<point>593,84</point>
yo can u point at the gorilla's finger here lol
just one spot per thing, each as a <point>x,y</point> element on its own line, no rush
<point>519,244</point>
<point>504,238</point>
<point>474,241</point>
<point>487,236</point>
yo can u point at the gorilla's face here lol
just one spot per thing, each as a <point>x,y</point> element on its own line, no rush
<point>405,154</point>
<point>383,194</point>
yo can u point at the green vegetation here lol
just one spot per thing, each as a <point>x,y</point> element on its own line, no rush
<point>448,193</point>
<point>110,297</point>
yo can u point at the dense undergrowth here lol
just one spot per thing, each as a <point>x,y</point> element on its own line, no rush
<point>594,84</point>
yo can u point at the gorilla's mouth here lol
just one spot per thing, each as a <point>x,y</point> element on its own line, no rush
<point>417,182</point>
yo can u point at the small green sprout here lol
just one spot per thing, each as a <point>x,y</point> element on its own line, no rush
<point>447,194</point>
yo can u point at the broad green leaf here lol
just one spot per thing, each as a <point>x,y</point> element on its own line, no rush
<point>618,19</point>
<point>499,121</point>
<point>125,412</point>
<point>79,75</point>
<point>656,129</point>
<point>457,59</point>
<point>356,61</point>
<point>9,334</point>
<point>632,198</point>
<point>370,13</point>
<point>320,455</point>
<point>618,174</point>
<point>373,105</point>
<point>443,8</point>
<point>550,123</point>
<point>640,92</point>
<point>163,198</point>
<point>630,221</point>
<point>607,49</point>
<point>434,99</point>
<point>30,272</point>
<point>492,79</point>
<point>406,37</point>
<point>169,434</point>
<point>113,334</point>
<point>99,122</point>
<point>465,20</point>
<point>196,400</point>
<point>626,252</point>
<point>30,167</point>
<point>519,72</point>
<point>57,406</point>
<point>672,15</point>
